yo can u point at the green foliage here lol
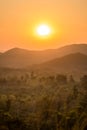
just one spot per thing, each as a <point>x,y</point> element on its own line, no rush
<point>38,102</point>
<point>61,79</point>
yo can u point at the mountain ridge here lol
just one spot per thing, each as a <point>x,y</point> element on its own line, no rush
<point>20,58</point>
<point>18,48</point>
<point>75,63</point>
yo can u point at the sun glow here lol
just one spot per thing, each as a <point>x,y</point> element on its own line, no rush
<point>43,30</point>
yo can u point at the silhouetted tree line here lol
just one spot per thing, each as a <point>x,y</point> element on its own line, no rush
<point>23,79</point>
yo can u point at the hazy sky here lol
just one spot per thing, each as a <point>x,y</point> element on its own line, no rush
<point>18,19</point>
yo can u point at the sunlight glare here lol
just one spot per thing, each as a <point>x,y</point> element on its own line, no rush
<point>43,30</point>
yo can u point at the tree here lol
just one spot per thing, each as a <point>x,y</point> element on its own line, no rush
<point>61,79</point>
<point>71,79</point>
<point>83,81</point>
<point>75,92</point>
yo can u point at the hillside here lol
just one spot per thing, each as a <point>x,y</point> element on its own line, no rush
<point>72,63</point>
<point>21,58</point>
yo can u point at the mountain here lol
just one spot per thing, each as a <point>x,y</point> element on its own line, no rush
<point>71,63</point>
<point>21,58</point>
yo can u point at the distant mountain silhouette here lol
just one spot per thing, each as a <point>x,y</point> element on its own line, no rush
<point>76,62</point>
<point>21,58</point>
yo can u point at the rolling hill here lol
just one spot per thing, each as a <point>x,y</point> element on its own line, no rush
<point>21,58</point>
<point>72,63</point>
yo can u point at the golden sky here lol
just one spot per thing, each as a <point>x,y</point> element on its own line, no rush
<point>19,18</point>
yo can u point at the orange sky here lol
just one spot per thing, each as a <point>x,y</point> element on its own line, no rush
<point>18,19</point>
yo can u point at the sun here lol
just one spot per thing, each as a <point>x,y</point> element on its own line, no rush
<point>43,30</point>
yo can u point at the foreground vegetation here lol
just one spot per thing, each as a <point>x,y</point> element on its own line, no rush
<point>36,102</point>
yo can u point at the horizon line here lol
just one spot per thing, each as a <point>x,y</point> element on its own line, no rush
<point>15,47</point>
